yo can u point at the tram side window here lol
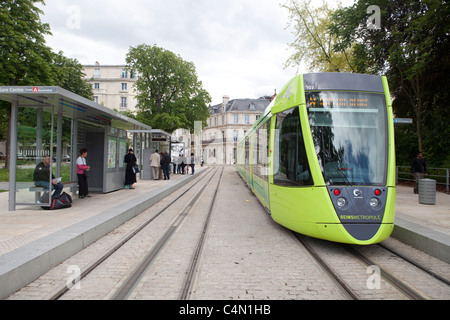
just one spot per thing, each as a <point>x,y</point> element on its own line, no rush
<point>291,164</point>
<point>247,154</point>
<point>261,169</point>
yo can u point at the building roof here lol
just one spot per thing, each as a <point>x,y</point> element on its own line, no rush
<point>241,105</point>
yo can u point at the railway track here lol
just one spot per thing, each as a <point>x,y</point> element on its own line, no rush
<point>190,197</point>
<point>195,244</point>
<point>132,282</point>
<point>363,275</point>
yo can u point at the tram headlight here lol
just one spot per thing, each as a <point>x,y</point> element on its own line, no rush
<point>374,202</point>
<point>341,202</point>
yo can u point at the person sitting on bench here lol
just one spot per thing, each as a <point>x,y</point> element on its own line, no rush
<point>41,176</point>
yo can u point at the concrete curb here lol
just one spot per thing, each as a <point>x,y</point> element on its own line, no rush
<point>20,267</point>
<point>430,241</point>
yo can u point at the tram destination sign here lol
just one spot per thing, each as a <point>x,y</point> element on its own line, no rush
<point>28,89</point>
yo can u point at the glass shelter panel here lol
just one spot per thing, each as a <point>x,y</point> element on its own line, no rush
<point>36,153</point>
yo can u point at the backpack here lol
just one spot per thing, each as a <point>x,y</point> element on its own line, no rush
<point>63,201</point>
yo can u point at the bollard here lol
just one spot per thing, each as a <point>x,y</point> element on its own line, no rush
<point>427,191</point>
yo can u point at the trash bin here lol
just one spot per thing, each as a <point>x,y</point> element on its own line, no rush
<point>427,191</point>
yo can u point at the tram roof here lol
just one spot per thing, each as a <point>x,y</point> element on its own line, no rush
<point>72,105</point>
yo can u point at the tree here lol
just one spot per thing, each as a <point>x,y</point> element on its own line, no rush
<point>68,74</point>
<point>24,57</point>
<point>410,47</point>
<point>170,96</point>
<point>314,44</point>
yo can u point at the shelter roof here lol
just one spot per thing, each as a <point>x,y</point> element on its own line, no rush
<point>71,105</point>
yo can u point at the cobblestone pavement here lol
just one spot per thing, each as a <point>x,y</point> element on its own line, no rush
<point>248,256</point>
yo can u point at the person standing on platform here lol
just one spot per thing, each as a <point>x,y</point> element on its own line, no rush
<point>82,169</point>
<point>181,163</point>
<point>130,175</point>
<point>192,162</point>
<point>418,170</point>
<point>165,161</point>
<point>175,164</point>
<point>188,164</point>
<point>155,160</point>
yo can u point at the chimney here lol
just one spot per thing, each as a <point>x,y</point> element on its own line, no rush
<point>226,99</point>
<point>274,96</point>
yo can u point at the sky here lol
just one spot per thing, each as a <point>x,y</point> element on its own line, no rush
<point>238,47</point>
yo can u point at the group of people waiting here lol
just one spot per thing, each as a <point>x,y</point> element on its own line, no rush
<point>160,164</point>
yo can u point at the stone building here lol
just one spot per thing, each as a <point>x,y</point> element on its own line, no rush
<point>227,124</point>
<point>113,86</point>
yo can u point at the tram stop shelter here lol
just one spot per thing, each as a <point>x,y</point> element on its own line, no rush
<point>56,122</point>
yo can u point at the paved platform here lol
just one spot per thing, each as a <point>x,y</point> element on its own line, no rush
<point>33,240</point>
<point>424,227</point>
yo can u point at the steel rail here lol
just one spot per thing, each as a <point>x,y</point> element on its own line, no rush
<point>395,281</point>
<point>187,288</point>
<point>416,264</point>
<point>328,270</point>
<point>62,290</point>
<point>128,286</point>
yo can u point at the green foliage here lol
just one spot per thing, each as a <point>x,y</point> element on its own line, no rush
<point>68,74</point>
<point>170,96</point>
<point>26,174</point>
<point>411,49</point>
<point>313,44</point>
<point>24,57</point>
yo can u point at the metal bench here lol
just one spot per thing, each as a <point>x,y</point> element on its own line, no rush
<point>67,184</point>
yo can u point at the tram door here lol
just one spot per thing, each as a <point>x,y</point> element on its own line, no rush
<point>290,163</point>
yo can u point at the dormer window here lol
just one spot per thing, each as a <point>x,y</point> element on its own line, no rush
<point>252,107</point>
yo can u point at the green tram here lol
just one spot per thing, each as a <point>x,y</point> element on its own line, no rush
<point>321,158</point>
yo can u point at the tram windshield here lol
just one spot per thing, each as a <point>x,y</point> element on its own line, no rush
<point>349,130</point>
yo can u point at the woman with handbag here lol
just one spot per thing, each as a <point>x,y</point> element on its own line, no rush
<point>130,173</point>
<point>82,168</point>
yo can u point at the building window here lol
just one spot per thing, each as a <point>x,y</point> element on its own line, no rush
<point>223,119</point>
<point>235,136</point>
<point>236,119</point>
<point>97,73</point>
<point>247,119</point>
<point>95,99</point>
<point>96,86</point>
<point>124,86</point>
<point>123,103</point>
<point>124,74</point>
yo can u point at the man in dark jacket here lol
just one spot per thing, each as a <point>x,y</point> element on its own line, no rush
<point>418,170</point>
<point>41,177</point>
<point>165,161</point>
